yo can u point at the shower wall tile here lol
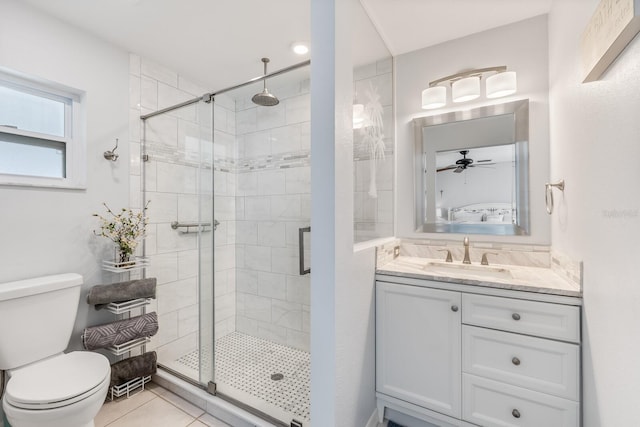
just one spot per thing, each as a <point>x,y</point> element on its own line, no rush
<point>173,178</point>
<point>247,281</point>
<point>187,264</point>
<point>134,91</point>
<point>158,72</point>
<point>224,258</point>
<point>272,285</point>
<point>170,240</point>
<point>271,117</point>
<point>271,332</point>
<point>169,330</point>
<point>177,348</point>
<point>164,267</point>
<point>365,71</point>
<point>135,195</point>
<point>257,258</point>
<point>134,125</point>
<point>254,307</point>
<point>188,320</point>
<point>286,139</point>
<point>247,184</point>
<point>134,158</point>
<point>224,208</point>
<point>169,95</point>
<point>285,207</point>
<point>247,232</point>
<point>176,295</point>
<point>148,94</point>
<point>258,207</point>
<point>271,182</point>
<point>163,130</point>
<point>298,180</point>
<point>298,109</point>
<point>256,144</point>
<point>271,233</point>
<point>246,325</point>
<point>246,121</point>
<point>285,260</point>
<point>163,207</point>
<point>225,306</point>
<point>190,87</point>
<point>306,318</point>
<point>298,339</point>
<point>287,314</point>
<point>298,289</point>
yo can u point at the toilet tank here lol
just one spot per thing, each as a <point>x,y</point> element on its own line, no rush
<point>37,317</point>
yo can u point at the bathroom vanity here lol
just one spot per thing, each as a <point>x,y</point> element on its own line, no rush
<point>466,345</point>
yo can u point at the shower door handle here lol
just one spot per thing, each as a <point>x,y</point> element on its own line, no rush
<point>301,232</point>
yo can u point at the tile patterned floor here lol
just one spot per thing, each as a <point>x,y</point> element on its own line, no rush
<point>155,407</point>
<point>246,364</point>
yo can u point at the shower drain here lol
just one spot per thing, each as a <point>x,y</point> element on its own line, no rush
<point>277,377</point>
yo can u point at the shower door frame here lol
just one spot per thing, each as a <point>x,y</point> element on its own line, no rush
<point>210,387</point>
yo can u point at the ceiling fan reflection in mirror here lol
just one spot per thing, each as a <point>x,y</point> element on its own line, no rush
<point>464,163</point>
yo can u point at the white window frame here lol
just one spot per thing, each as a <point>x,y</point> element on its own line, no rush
<point>74,138</point>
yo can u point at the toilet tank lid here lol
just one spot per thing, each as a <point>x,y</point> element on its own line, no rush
<point>38,285</point>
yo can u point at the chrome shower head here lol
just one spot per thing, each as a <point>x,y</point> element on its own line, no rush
<point>265,98</point>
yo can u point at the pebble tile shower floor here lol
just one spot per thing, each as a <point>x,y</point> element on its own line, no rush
<point>247,363</point>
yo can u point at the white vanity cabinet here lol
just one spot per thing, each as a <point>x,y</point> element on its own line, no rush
<point>452,356</point>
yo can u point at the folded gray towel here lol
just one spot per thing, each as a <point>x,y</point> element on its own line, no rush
<point>133,367</point>
<point>101,295</point>
<point>120,332</point>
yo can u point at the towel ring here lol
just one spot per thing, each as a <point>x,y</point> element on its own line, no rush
<point>548,194</point>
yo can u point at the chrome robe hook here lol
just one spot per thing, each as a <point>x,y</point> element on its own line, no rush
<point>111,154</point>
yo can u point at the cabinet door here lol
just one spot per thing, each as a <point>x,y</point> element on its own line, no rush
<point>418,346</point>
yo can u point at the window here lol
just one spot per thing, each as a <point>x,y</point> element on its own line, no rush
<point>41,140</point>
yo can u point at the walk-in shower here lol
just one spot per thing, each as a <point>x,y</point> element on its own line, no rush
<point>229,184</point>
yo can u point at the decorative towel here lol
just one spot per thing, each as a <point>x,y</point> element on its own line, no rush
<point>102,295</point>
<point>120,332</point>
<point>133,367</point>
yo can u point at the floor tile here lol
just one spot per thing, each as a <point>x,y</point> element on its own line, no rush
<point>112,410</point>
<point>197,423</point>
<point>157,413</point>
<point>179,402</point>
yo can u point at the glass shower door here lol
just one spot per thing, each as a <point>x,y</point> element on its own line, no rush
<point>178,183</point>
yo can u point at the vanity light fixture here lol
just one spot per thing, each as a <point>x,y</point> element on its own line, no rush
<point>465,86</point>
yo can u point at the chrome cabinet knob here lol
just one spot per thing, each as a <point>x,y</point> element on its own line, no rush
<point>515,316</point>
<point>454,308</point>
<point>515,361</point>
<point>515,413</point>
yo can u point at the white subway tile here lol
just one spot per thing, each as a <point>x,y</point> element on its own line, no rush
<point>148,93</point>
<point>246,325</point>
<point>247,281</point>
<point>271,332</point>
<point>298,180</point>
<point>225,258</point>
<point>134,64</point>
<point>364,72</point>
<point>299,340</point>
<point>246,121</point>
<point>299,289</point>
<point>191,87</point>
<point>247,184</point>
<point>173,178</point>
<point>134,125</point>
<point>286,314</point>
<point>188,320</point>
<point>285,260</point>
<point>285,207</point>
<point>188,264</point>
<point>224,208</point>
<point>151,175</point>
<point>259,207</point>
<point>188,210</point>
<point>225,306</point>
<point>162,129</point>
<point>257,144</point>
<point>247,232</point>
<point>134,92</point>
<point>167,328</point>
<point>169,240</point>
<point>286,139</point>
<point>254,307</point>
<point>169,96</point>
<point>135,195</point>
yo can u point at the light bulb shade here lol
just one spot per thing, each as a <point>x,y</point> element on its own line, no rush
<point>358,116</point>
<point>465,89</point>
<point>434,97</point>
<point>501,84</point>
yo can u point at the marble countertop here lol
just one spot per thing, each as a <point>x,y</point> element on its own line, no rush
<point>513,277</point>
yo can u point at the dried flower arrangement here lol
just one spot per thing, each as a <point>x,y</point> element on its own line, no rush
<point>124,229</point>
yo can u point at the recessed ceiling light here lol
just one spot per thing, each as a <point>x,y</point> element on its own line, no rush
<point>300,48</point>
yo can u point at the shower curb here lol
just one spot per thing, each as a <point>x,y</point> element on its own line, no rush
<point>213,405</point>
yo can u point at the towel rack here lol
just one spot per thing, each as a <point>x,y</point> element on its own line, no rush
<point>199,225</point>
<point>548,194</point>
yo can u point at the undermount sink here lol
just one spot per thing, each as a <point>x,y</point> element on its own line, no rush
<point>448,269</point>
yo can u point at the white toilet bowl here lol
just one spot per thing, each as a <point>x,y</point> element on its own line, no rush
<point>67,390</point>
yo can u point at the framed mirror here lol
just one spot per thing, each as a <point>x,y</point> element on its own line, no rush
<point>472,171</point>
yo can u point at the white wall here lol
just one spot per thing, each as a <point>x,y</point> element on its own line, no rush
<point>342,339</point>
<point>48,231</point>
<point>594,144</point>
<point>522,47</point>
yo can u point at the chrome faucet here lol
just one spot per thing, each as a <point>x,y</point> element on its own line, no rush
<point>466,259</point>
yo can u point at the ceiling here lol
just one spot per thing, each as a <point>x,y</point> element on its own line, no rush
<point>219,43</point>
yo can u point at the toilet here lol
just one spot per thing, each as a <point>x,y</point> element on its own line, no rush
<point>46,386</point>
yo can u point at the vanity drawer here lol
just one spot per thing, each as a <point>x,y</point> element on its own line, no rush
<point>538,364</point>
<point>489,403</point>
<point>542,319</point>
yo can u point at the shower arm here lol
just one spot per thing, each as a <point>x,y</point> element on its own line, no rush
<point>208,97</point>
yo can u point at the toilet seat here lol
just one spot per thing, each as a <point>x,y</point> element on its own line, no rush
<point>58,381</point>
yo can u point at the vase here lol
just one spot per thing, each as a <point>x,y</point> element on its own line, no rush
<point>124,259</point>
